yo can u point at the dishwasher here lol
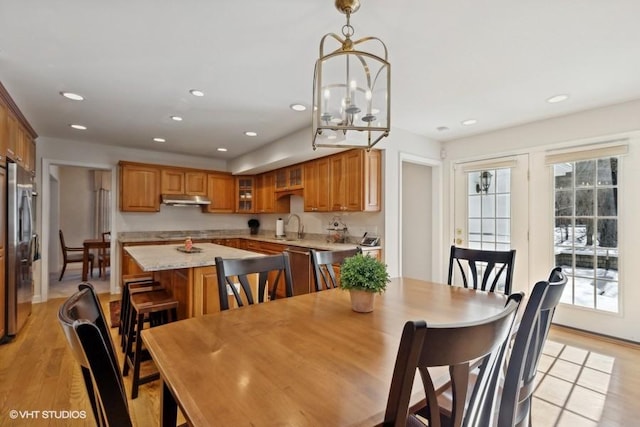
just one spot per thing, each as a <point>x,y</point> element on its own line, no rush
<point>302,276</point>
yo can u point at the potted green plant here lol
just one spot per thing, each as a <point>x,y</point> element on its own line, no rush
<point>253,224</point>
<point>364,276</point>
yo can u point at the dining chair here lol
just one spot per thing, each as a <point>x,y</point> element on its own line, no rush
<point>234,275</point>
<point>454,345</point>
<point>85,328</point>
<point>325,264</point>
<point>519,381</point>
<point>497,267</point>
<point>71,255</point>
<point>104,254</point>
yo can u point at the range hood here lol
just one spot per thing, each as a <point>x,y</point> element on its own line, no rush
<point>184,200</point>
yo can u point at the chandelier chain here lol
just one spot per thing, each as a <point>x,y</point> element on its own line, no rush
<point>347,29</point>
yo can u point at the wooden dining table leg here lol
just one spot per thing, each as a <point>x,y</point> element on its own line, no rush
<point>85,262</point>
<point>168,408</point>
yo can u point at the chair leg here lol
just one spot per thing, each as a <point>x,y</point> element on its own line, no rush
<point>64,267</point>
<point>137,356</point>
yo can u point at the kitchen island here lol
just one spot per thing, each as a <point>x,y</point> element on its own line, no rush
<point>189,277</point>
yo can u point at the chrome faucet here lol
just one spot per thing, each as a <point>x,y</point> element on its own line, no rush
<point>299,223</point>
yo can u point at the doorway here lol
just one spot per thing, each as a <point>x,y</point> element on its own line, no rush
<point>420,218</point>
<point>69,203</point>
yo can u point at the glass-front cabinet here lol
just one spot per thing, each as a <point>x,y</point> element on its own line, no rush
<point>245,191</point>
<point>290,178</point>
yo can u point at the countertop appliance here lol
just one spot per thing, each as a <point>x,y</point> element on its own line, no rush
<point>20,247</point>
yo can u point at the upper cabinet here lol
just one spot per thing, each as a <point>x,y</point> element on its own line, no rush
<point>221,192</point>
<point>17,137</point>
<point>266,201</point>
<point>346,182</point>
<point>245,191</point>
<point>4,133</point>
<point>354,181</point>
<point>139,187</point>
<point>316,185</point>
<point>195,183</point>
<point>180,181</point>
<point>290,178</point>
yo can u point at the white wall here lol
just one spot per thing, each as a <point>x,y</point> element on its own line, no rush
<point>76,204</point>
<point>417,220</point>
<point>603,124</point>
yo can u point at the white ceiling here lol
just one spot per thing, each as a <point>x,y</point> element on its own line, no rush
<point>496,61</point>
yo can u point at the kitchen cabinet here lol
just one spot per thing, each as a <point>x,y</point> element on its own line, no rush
<point>205,291</point>
<point>176,181</point>
<point>195,183</point>
<point>290,178</point>
<point>172,181</point>
<point>3,236</point>
<point>231,242</point>
<point>266,201</point>
<point>17,137</point>
<point>139,187</point>
<point>376,253</point>
<point>245,191</point>
<point>221,192</point>
<point>30,156</point>
<point>354,181</point>
<point>316,185</point>
<point>4,133</point>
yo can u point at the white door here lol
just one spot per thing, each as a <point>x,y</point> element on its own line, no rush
<point>491,209</point>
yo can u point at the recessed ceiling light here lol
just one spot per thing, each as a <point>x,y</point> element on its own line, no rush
<point>469,122</point>
<point>557,98</point>
<point>79,127</point>
<point>159,140</point>
<point>297,107</point>
<point>442,128</point>
<point>222,149</point>
<point>176,118</point>
<point>196,92</point>
<point>250,133</point>
<point>72,96</point>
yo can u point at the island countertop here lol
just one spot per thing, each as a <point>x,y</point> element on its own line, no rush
<point>168,257</point>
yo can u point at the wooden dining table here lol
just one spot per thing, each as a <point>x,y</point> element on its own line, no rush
<point>308,360</point>
<point>87,245</point>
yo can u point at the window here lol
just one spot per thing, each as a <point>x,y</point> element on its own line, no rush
<point>489,213</point>
<point>586,231</point>
<point>489,208</point>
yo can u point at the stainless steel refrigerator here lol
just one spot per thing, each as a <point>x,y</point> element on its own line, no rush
<point>20,247</point>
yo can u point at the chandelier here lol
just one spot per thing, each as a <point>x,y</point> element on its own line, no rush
<point>351,95</point>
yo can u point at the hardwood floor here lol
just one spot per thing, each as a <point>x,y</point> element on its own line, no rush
<point>584,380</point>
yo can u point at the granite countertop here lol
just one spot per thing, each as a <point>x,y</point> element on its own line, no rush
<point>168,257</point>
<point>315,242</point>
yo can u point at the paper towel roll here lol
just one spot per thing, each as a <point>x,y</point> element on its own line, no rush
<point>279,227</point>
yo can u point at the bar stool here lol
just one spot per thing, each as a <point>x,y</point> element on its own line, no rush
<point>132,284</point>
<point>159,307</point>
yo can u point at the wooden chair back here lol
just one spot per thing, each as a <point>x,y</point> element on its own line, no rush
<point>323,266</point>
<point>65,248</point>
<point>457,346</point>
<point>497,265</point>
<point>515,402</point>
<point>271,270</point>
<point>104,254</point>
<point>84,325</point>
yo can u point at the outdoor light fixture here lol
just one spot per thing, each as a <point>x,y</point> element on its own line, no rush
<point>351,89</point>
<point>485,182</point>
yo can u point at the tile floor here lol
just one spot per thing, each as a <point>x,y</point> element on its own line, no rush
<point>70,280</point>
